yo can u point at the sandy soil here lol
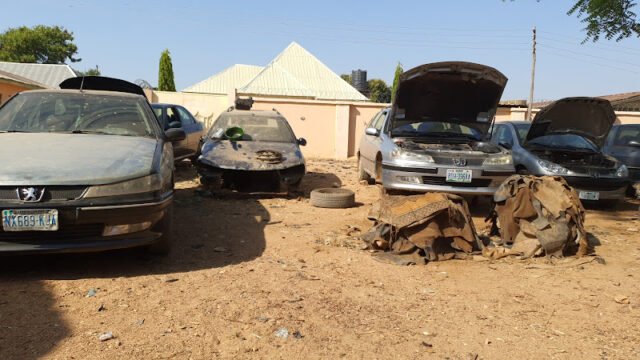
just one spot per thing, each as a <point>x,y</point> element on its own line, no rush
<point>245,268</point>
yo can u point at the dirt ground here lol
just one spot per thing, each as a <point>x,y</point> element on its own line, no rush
<point>246,268</point>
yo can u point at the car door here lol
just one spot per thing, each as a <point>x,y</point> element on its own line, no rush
<point>191,127</point>
<point>180,148</point>
<point>370,144</point>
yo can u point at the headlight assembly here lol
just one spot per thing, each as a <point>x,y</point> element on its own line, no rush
<point>622,171</point>
<point>499,160</point>
<point>145,184</point>
<point>409,157</point>
<point>552,168</point>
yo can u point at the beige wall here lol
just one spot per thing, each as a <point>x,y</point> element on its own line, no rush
<point>624,117</point>
<point>8,90</point>
<point>332,128</point>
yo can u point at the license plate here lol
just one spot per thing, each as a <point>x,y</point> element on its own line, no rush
<point>458,175</point>
<point>589,195</point>
<point>30,220</point>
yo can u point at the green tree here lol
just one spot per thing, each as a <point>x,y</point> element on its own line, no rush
<point>39,44</point>
<point>89,72</point>
<point>379,91</point>
<point>346,77</point>
<point>608,18</point>
<point>165,73</point>
<point>396,79</point>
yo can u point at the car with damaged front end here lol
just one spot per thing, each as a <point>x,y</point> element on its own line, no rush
<point>435,136</point>
<point>251,150</point>
<point>85,168</point>
<point>566,139</point>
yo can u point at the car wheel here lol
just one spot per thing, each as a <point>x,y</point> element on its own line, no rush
<point>379,171</point>
<point>332,198</point>
<point>362,175</point>
<point>163,245</point>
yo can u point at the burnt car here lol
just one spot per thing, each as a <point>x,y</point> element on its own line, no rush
<point>173,116</point>
<point>566,139</point>
<point>623,143</point>
<point>251,150</point>
<point>435,136</point>
<point>86,168</point>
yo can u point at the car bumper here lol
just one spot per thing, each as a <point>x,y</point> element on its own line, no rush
<point>434,179</point>
<point>81,229</point>
<point>607,188</point>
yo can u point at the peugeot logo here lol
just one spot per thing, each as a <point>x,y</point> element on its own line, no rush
<point>459,162</point>
<point>30,194</point>
<point>595,175</point>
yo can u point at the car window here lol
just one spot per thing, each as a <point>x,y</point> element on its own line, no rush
<point>380,120</point>
<point>433,128</point>
<point>172,115</point>
<point>564,141</point>
<point>375,120</point>
<point>255,128</point>
<point>625,134</point>
<point>522,130</point>
<point>503,135</point>
<point>77,112</point>
<point>185,117</point>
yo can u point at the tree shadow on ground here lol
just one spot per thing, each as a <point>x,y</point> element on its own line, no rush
<point>30,325</point>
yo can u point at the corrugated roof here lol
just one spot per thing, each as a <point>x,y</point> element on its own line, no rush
<point>311,75</point>
<point>47,74</point>
<point>233,77</point>
<point>16,79</point>
<point>276,81</point>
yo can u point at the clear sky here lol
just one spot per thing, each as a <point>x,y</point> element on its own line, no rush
<point>125,38</point>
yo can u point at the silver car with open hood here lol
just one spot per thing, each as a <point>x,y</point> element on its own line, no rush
<point>85,168</point>
<point>435,135</point>
<point>566,139</point>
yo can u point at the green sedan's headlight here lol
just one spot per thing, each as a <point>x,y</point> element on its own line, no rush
<point>622,171</point>
<point>499,160</point>
<point>145,184</point>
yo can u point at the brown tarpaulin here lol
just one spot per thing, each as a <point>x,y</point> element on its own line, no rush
<point>417,228</point>
<point>536,214</point>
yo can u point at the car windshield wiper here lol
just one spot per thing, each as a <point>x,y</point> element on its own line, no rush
<point>14,131</point>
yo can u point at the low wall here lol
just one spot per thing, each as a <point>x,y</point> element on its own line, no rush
<point>332,128</point>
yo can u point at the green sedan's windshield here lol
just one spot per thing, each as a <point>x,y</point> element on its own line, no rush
<point>62,112</point>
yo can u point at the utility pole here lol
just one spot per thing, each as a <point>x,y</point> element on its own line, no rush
<point>533,75</point>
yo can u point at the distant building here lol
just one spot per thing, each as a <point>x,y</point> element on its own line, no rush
<point>49,75</point>
<point>11,84</point>
<point>294,73</point>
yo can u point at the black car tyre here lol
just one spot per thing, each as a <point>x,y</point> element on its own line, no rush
<point>362,175</point>
<point>163,245</point>
<point>332,198</point>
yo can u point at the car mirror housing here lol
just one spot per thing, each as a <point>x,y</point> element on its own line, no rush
<point>634,143</point>
<point>174,135</point>
<point>372,131</point>
<point>302,142</point>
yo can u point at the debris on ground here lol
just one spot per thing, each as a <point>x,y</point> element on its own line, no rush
<point>282,333</point>
<point>106,336</point>
<point>535,216</point>
<point>621,299</point>
<point>92,292</point>
<point>420,228</point>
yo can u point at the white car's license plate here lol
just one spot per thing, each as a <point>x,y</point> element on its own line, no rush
<point>458,175</point>
<point>30,220</point>
<point>589,195</point>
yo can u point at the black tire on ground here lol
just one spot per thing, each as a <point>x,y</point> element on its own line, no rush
<point>362,175</point>
<point>163,245</point>
<point>332,198</point>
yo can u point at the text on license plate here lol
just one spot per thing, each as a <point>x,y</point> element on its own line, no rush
<point>30,220</point>
<point>458,175</point>
<point>589,195</point>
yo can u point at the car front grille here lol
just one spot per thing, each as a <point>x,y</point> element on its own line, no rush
<point>449,160</point>
<point>66,233</point>
<point>592,184</point>
<point>435,180</point>
<point>51,193</point>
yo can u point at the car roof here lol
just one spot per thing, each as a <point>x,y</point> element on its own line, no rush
<point>86,92</point>
<point>164,105</point>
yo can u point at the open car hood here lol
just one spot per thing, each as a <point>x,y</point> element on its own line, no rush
<point>101,83</point>
<point>452,91</point>
<point>591,118</point>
